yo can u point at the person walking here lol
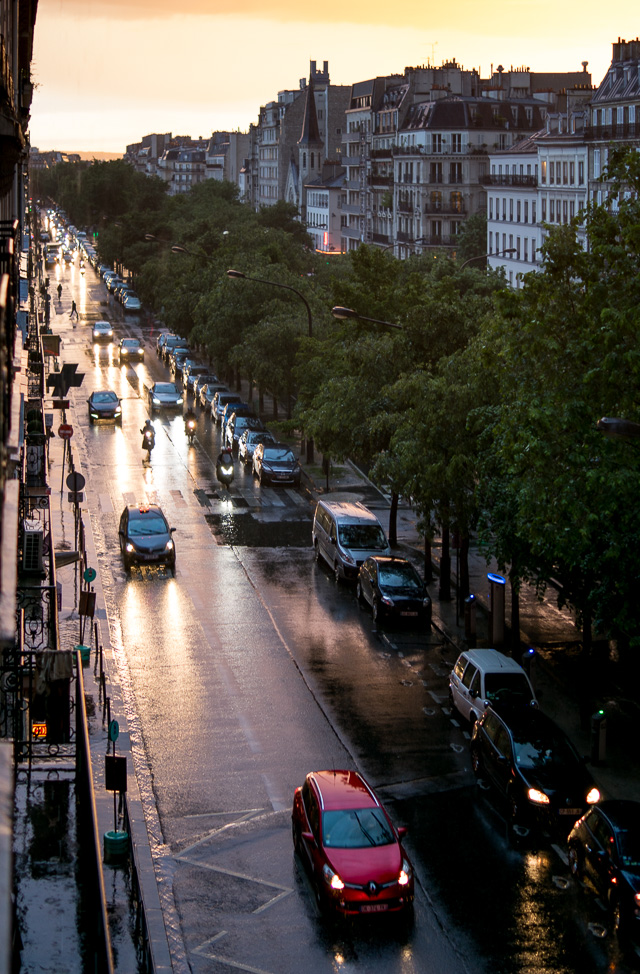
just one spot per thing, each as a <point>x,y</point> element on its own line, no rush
<point>59,289</point>
<point>74,311</point>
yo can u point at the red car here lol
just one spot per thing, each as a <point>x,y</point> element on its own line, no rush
<point>350,846</point>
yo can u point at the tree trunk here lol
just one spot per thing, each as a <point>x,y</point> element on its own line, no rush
<point>428,565</point>
<point>393,521</point>
<point>444,593</point>
<point>515,618</point>
<point>463,554</point>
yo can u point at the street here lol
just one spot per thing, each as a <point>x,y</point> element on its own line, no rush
<point>253,667</point>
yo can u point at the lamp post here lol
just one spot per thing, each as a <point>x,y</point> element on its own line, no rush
<point>342,314</point>
<point>498,253</point>
<point>238,275</point>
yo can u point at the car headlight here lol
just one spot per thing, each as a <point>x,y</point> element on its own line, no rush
<point>332,879</point>
<point>156,402</point>
<point>179,401</point>
<point>169,546</point>
<point>124,351</point>
<point>129,547</point>
<point>537,797</point>
<point>405,873</point>
<point>386,600</point>
<point>593,796</point>
<point>117,411</point>
<point>94,415</point>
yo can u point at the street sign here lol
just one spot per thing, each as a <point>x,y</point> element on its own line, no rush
<point>75,480</point>
<point>65,431</point>
<point>114,730</point>
<point>89,574</point>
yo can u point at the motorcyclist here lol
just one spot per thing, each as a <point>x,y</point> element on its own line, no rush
<point>148,436</point>
<point>224,467</point>
<point>190,421</point>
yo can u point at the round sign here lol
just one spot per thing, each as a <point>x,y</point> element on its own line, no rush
<point>89,574</point>
<point>65,431</point>
<point>75,481</point>
<point>114,730</point>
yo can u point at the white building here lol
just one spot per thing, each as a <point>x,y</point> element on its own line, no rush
<point>513,209</point>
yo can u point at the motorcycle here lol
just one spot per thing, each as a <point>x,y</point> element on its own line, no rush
<point>224,468</point>
<point>190,429</point>
<point>148,441</point>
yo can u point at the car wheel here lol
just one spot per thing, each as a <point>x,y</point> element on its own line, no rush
<point>575,861</point>
<point>126,564</point>
<point>375,611</point>
<point>297,839</point>
<point>336,573</point>
<point>316,552</point>
<point>90,420</point>
<point>476,763</point>
<point>359,595</point>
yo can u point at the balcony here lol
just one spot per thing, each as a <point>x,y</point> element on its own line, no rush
<point>507,179</point>
<point>406,206</point>
<point>446,207</point>
<point>376,179</point>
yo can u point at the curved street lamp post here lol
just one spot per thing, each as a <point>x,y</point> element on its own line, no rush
<point>239,275</point>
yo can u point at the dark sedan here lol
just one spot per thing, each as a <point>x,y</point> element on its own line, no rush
<point>130,350</point>
<point>104,404</point>
<point>249,441</point>
<point>145,537</point>
<point>275,463</point>
<point>604,852</point>
<point>393,588</point>
<point>532,765</point>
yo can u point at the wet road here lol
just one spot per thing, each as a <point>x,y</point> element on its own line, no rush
<point>252,667</point>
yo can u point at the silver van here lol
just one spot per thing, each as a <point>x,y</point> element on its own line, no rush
<point>345,534</point>
<point>484,676</point>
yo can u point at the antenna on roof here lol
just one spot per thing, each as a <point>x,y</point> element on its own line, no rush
<point>433,46</point>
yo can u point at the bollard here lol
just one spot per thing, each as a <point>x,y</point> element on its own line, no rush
<point>496,605</point>
<point>598,737</point>
<point>470,620</point>
<point>528,663</point>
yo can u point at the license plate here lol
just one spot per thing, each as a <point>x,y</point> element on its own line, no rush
<point>408,613</point>
<point>575,812</point>
<point>373,908</point>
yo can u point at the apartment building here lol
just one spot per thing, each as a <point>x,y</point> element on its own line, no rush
<point>614,113</point>
<point>514,233</point>
<point>323,209</point>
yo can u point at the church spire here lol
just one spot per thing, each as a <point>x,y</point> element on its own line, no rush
<point>310,137</point>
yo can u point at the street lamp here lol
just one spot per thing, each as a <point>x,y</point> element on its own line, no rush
<point>342,314</point>
<point>238,275</point>
<point>498,253</point>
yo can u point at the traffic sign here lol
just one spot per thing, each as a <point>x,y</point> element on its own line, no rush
<point>114,730</point>
<point>65,431</point>
<point>89,574</point>
<point>75,480</point>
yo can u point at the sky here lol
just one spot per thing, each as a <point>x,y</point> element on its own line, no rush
<point>108,72</point>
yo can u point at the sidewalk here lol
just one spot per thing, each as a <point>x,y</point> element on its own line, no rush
<point>557,668</point>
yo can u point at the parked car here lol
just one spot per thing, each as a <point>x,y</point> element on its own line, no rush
<point>202,380</point>
<point>483,676</point>
<point>345,534</point>
<point>350,847</point>
<point>219,402</point>
<point>236,425</point>
<point>191,372</point>
<point>275,463</point>
<point>532,765</point>
<point>165,395</point>
<point>249,441</point>
<point>131,301</point>
<point>102,332</point>
<point>145,537</point>
<point>604,852</point>
<point>161,341</point>
<point>393,588</point>
<point>104,404</point>
<point>171,342</point>
<point>130,350</point>
<point>207,390</point>
<point>112,281</point>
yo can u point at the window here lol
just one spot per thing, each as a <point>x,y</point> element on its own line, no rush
<point>526,249</point>
<point>436,201</point>
<point>526,211</point>
<point>518,214</point>
<point>551,174</point>
<point>572,173</point>
<point>456,142</point>
<point>436,142</point>
<point>517,248</point>
<point>581,172</point>
<point>596,164</point>
<point>533,211</point>
<point>572,209</point>
<point>504,208</point>
<point>455,172</point>
<point>511,210</point>
<point>565,173</point>
<point>491,207</point>
<point>435,172</point>
<point>543,171</point>
<point>490,243</point>
<point>565,214</point>
<point>544,208</point>
<point>552,210</point>
<point>558,170</point>
<point>456,202</point>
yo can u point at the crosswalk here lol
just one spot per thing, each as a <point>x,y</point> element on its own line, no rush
<point>209,498</point>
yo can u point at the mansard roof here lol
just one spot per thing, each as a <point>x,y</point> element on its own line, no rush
<point>459,112</point>
<point>622,80</point>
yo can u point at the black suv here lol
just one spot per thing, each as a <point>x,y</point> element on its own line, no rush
<point>145,537</point>
<point>533,765</point>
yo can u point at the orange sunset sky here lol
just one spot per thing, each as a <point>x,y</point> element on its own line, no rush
<point>110,71</point>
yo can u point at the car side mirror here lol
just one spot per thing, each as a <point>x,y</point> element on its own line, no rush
<point>309,837</point>
<point>402,831</point>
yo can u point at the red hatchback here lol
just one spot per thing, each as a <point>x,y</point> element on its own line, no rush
<point>346,839</point>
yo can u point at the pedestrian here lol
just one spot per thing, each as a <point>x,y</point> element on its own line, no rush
<point>59,289</point>
<point>74,310</point>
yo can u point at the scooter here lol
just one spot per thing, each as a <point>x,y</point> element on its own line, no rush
<point>224,468</point>
<point>148,441</point>
<point>190,429</point>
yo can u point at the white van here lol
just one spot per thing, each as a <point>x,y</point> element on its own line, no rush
<point>482,676</point>
<point>345,534</point>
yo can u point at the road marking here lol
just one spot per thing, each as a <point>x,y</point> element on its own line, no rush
<point>277,802</point>
<point>178,498</point>
<point>105,503</point>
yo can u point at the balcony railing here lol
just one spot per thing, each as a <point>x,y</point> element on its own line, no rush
<point>507,179</point>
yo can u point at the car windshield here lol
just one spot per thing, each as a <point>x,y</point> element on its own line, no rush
<point>399,577</point>
<point>255,437</point>
<point>507,687</point>
<point>629,843</point>
<point>279,455</point>
<point>544,752</point>
<point>368,537</point>
<point>104,397</point>
<point>356,828</point>
<point>130,343</point>
<point>165,388</point>
<point>149,524</point>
